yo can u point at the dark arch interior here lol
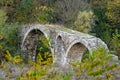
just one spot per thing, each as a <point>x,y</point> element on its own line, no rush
<point>77,53</point>
<point>36,43</point>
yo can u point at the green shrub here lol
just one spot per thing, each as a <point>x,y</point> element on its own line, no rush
<point>43,51</point>
<point>34,71</point>
<point>28,11</point>
<point>116,43</point>
<point>97,65</point>
<point>9,37</point>
<point>84,22</point>
<point>24,12</point>
<point>3,18</point>
<point>45,14</point>
<point>11,7</point>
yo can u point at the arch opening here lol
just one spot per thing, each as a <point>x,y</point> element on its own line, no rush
<point>36,47</point>
<point>77,52</point>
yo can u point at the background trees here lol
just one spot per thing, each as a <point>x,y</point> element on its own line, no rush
<point>107,14</point>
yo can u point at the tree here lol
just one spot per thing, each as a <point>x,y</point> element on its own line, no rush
<point>67,10</point>
<point>84,21</point>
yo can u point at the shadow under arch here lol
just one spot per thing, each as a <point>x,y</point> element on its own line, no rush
<point>34,40</point>
<point>77,52</point>
<point>60,54</point>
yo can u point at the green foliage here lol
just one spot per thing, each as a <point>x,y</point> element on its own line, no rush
<point>85,55</point>
<point>10,7</point>
<point>116,43</point>
<point>35,71</point>
<point>24,11</point>
<point>3,17</point>
<point>45,14</point>
<point>27,11</point>
<point>100,24</point>
<point>99,64</point>
<point>43,50</point>
<point>84,22</point>
<point>43,44</point>
<point>113,14</point>
<point>107,14</point>
<point>14,60</point>
<point>9,37</point>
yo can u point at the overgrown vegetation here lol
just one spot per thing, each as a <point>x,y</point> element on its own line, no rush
<point>9,38</point>
<point>43,51</point>
<point>99,66</point>
<point>40,70</point>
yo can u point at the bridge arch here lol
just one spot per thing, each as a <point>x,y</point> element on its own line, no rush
<point>76,50</point>
<point>34,28</point>
<point>30,46</point>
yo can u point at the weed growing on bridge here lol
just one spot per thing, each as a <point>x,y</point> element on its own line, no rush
<point>43,50</point>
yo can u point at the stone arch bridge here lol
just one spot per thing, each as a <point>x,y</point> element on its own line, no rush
<point>66,44</point>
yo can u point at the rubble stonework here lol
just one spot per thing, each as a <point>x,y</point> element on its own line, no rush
<point>66,45</point>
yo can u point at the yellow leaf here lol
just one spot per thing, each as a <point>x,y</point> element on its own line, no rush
<point>17,59</point>
<point>8,56</point>
<point>1,47</point>
<point>21,78</point>
<point>4,67</point>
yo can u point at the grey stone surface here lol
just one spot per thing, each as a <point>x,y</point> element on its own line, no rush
<point>65,43</point>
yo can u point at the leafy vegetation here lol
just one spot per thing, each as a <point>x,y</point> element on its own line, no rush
<point>43,70</point>
<point>116,43</point>
<point>107,22</point>
<point>84,22</point>
<point>3,17</point>
<point>9,38</point>
<point>43,52</point>
<point>98,66</point>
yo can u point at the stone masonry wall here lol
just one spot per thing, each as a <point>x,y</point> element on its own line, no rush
<point>66,45</point>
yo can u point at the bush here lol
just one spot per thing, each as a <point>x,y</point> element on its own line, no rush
<point>9,37</point>
<point>84,22</point>
<point>3,17</point>
<point>45,15</point>
<point>33,71</point>
<point>28,11</point>
<point>98,66</point>
<point>116,43</point>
